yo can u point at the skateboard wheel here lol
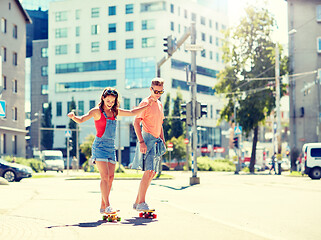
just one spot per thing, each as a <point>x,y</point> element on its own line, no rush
<point>109,219</point>
<point>104,218</point>
<point>119,219</point>
<point>141,214</point>
<point>155,216</point>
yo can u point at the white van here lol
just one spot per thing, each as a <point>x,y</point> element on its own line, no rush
<point>53,160</point>
<point>312,160</point>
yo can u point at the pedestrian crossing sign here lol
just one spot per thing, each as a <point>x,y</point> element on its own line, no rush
<point>2,108</point>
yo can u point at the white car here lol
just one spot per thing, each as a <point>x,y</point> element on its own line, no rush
<point>312,160</point>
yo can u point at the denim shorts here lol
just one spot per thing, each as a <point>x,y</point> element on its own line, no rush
<point>104,150</point>
<point>150,160</point>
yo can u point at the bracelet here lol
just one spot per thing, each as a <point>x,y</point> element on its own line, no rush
<point>141,141</point>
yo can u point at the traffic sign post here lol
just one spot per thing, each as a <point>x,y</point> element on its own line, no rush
<point>170,149</point>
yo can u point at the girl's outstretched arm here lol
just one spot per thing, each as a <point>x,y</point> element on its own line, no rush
<point>95,113</point>
<point>135,111</point>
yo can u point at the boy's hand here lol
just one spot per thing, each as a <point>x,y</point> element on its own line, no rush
<point>71,115</point>
<point>143,147</point>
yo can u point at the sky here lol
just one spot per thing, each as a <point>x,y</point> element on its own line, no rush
<point>278,8</point>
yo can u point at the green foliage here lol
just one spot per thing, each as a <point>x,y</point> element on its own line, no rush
<point>35,164</point>
<point>179,149</point>
<point>219,165</point>
<point>167,122</point>
<point>73,125</point>
<point>177,125</point>
<point>47,135</point>
<point>85,147</point>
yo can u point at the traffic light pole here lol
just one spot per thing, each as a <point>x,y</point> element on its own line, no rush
<point>194,179</point>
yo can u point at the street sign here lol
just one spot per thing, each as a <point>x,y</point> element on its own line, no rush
<point>238,130</point>
<point>170,149</point>
<point>68,133</point>
<point>2,108</point>
<point>194,47</point>
<point>186,141</point>
<point>170,145</point>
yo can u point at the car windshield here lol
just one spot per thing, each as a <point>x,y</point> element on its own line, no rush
<point>52,157</point>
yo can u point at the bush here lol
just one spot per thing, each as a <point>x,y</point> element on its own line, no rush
<point>93,168</point>
<point>219,165</point>
<point>35,164</point>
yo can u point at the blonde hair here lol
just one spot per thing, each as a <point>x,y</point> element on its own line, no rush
<point>157,81</point>
<point>104,95</point>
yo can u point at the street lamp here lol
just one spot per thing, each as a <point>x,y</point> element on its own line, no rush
<point>39,117</point>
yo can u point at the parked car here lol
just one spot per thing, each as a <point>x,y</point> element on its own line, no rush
<point>53,160</point>
<point>13,171</point>
<point>312,157</point>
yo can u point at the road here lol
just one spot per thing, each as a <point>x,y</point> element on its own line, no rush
<point>223,206</point>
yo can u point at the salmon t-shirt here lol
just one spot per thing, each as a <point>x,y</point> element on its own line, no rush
<point>152,118</point>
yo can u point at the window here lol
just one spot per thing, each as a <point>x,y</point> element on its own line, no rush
<point>61,32</point>
<point>203,37</point>
<point>152,7</point>
<point>85,66</point>
<point>129,43</point>
<point>112,11</point>
<point>194,17</point>
<point>203,20</point>
<point>112,27</point>
<point>77,48</point>
<point>61,49</point>
<point>77,31</point>
<point>44,52</point>
<point>44,71</point>
<point>44,89</point>
<point>14,144</point>
<point>318,13</point>
<point>2,143</point>
<point>15,59</point>
<point>172,26</point>
<point>203,53</point>
<point>217,41</point>
<point>94,29</point>
<point>4,54</point>
<point>3,25</point>
<point>319,44</point>
<point>137,101</point>
<point>211,39</point>
<point>127,103</point>
<point>139,71</point>
<point>211,55</point>
<point>111,45</point>
<point>217,57</point>
<point>129,26</point>
<point>14,86</point>
<point>77,14</point>
<point>58,109</point>
<point>95,47</point>
<point>4,81</point>
<point>172,8</point>
<point>185,13</point>
<point>97,85</point>
<point>148,42</point>
<point>316,152</point>
<point>14,114</point>
<point>94,12</point>
<point>148,24</point>
<point>15,31</point>
<point>61,16</point>
<point>216,26</point>
<point>129,8</point>
<point>92,104</point>
<point>210,23</point>
<point>80,107</point>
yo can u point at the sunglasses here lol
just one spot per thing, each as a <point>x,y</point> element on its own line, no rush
<point>158,92</point>
<point>110,92</point>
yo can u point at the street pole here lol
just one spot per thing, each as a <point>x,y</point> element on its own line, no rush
<point>319,106</point>
<point>194,179</point>
<point>278,114</point>
<point>77,146</point>
<point>119,142</point>
<point>68,154</point>
<point>236,127</point>
<point>39,131</point>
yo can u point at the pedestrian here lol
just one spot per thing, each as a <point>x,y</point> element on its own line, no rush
<point>151,140</point>
<point>74,162</point>
<point>273,164</point>
<point>103,148</point>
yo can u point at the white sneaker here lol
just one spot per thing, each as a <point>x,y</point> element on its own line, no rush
<point>135,206</point>
<point>102,211</point>
<point>142,207</point>
<point>109,210</point>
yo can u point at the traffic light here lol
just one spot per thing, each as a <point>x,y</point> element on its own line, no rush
<point>236,142</point>
<point>201,110</point>
<point>168,44</point>
<point>186,113</point>
<point>70,143</point>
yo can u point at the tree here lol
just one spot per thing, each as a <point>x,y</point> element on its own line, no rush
<point>73,125</point>
<point>47,135</point>
<point>166,123</point>
<point>85,147</point>
<point>177,125</point>
<point>249,53</point>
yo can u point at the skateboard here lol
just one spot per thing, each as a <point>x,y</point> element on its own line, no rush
<point>111,217</point>
<point>148,214</point>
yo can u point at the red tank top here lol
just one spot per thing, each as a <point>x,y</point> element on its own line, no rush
<point>101,124</point>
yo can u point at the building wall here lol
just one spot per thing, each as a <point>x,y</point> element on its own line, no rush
<point>163,21</point>
<point>12,130</point>
<point>303,58</point>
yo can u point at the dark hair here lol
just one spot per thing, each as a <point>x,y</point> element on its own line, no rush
<point>113,92</point>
